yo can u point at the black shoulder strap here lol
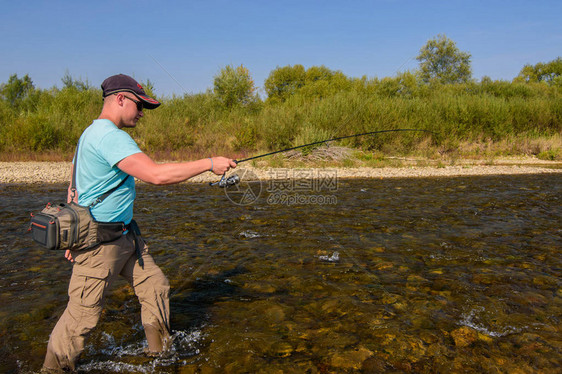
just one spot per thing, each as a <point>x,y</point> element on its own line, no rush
<point>102,197</point>
<point>73,185</point>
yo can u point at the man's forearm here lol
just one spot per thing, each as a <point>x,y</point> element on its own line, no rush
<point>170,173</point>
<point>142,167</point>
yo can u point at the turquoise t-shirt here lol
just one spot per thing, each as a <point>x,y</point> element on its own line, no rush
<point>102,146</point>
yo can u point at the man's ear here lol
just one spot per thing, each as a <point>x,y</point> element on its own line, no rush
<point>119,99</point>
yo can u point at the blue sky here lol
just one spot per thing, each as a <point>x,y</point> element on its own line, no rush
<point>181,45</point>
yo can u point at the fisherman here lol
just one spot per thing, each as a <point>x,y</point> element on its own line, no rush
<point>106,157</point>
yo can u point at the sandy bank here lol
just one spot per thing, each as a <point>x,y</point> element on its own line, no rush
<point>59,172</point>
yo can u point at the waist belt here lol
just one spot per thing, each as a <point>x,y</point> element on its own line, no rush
<point>135,230</point>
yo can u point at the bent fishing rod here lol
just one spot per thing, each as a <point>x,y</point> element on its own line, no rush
<point>235,179</point>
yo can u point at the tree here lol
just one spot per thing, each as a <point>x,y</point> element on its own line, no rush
<point>78,84</point>
<point>441,60</point>
<point>234,86</point>
<point>317,73</point>
<point>322,82</point>
<point>549,72</point>
<point>316,81</point>
<point>16,89</point>
<point>284,82</point>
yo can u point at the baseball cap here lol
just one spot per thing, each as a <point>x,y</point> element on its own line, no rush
<point>124,83</point>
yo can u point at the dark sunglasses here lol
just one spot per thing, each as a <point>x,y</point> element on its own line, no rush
<point>138,102</point>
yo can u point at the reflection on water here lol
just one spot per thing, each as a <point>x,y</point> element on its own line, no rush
<point>402,275</point>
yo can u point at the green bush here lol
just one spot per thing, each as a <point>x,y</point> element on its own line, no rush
<point>550,155</point>
<point>306,105</point>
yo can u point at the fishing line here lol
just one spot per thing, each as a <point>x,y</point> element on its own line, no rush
<point>170,75</point>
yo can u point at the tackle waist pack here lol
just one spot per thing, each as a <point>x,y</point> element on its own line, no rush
<point>71,226</point>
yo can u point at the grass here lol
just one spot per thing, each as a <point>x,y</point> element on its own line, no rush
<point>478,121</point>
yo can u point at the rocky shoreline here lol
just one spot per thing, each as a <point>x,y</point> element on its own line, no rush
<point>59,172</point>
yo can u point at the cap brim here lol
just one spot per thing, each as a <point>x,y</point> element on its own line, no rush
<point>148,102</point>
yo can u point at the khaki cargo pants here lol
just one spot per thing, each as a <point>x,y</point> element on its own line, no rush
<point>93,274</point>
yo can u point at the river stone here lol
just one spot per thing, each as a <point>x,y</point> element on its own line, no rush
<point>545,281</point>
<point>188,369</point>
<point>446,295</point>
<point>414,278</point>
<point>384,265</point>
<point>389,298</point>
<point>329,306</point>
<point>441,284</point>
<point>275,313</point>
<point>421,322</point>
<point>429,337</point>
<point>301,346</point>
<point>400,306</point>
<point>487,279</point>
<point>464,336</point>
<point>374,365</point>
<point>351,359</point>
<point>280,349</point>
<point>377,323</point>
<point>485,338</point>
<point>530,298</point>
<point>436,350</point>
<point>325,340</point>
<point>403,269</point>
<point>260,287</point>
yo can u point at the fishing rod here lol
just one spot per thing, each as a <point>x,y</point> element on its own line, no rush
<point>235,179</point>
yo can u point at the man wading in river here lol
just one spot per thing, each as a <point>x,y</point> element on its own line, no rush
<point>106,157</point>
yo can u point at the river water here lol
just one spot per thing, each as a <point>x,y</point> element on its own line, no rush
<point>393,275</point>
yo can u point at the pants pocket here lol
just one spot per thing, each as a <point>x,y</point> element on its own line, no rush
<point>87,285</point>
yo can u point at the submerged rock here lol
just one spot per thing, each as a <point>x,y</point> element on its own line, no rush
<point>374,365</point>
<point>464,336</point>
<point>351,359</point>
<point>260,287</point>
<point>280,349</point>
<point>384,265</point>
<point>390,298</point>
<point>275,314</point>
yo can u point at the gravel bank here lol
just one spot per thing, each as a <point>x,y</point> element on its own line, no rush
<point>59,172</point>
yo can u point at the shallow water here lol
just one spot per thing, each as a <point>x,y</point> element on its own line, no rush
<point>395,275</point>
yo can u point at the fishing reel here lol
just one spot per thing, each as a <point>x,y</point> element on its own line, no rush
<point>226,182</point>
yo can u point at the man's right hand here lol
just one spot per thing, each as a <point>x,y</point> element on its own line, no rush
<point>222,164</point>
